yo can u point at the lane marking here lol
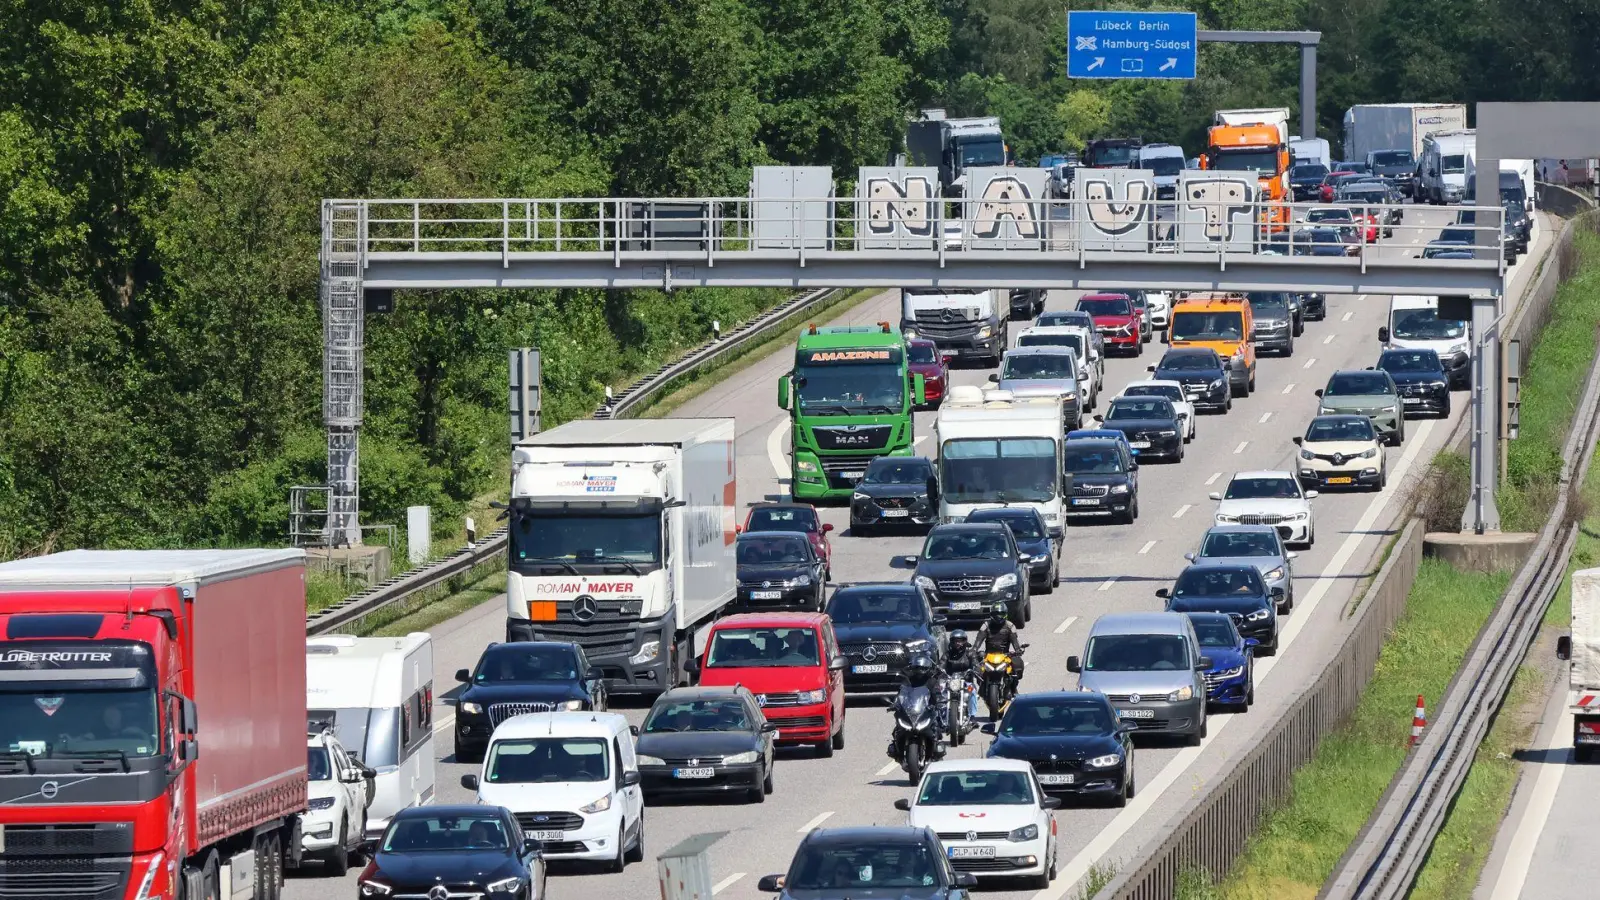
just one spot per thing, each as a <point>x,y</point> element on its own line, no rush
<point>1181,510</point>
<point>1243,444</point>
<point>726,882</point>
<point>887,768</point>
<point>1347,316</point>
<point>1288,387</point>
<point>1106,585</point>
<point>1065,624</point>
<point>1310,362</point>
<point>1213,479</point>
<point>920,439</point>
<point>1329,338</point>
<point>808,827</point>
<point>780,464</point>
<point>1264,417</point>
<point>1525,840</point>
<point>1146,548</point>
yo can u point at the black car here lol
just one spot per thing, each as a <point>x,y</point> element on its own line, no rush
<point>1151,424</point>
<point>879,627</point>
<point>1274,329</point>
<point>1074,740</point>
<point>522,677</point>
<point>1105,479</point>
<point>1313,306</point>
<point>1515,230</point>
<point>1421,379</point>
<point>1202,374</point>
<point>1035,539</point>
<point>870,861</point>
<point>967,569</point>
<point>896,490</point>
<point>1397,167</point>
<point>1235,590</point>
<point>1305,180</point>
<point>469,851</point>
<point>778,570</point>
<point>1026,302</point>
<point>706,740</point>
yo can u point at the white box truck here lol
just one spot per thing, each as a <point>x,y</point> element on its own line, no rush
<point>622,540</point>
<point>1443,166</point>
<point>1582,652</point>
<point>1371,127</point>
<point>996,449</point>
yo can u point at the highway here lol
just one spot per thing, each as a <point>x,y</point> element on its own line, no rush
<point>1107,568</point>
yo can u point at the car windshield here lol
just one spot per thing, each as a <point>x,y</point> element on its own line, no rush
<point>1308,172</point>
<point>1025,527</point>
<point>1262,489</point>
<point>1245,160</point>
<point>772,550</point>
<point>1189,362</point>
<point>1410,361</point>
<point>1453,164</point>
<point>975,789</point>
<point>842,382</point>
<point>1207,326</point>
<point>512,664</point>
<point>1424,324</point>
<point>1056,717</point>
<point>1091,460</point>
<point>964,544</point>
<point>1357,384</point>
<point>889,470</point>
<point>1392,158</point>
<point>1217,581</point>
<point>847,869</point>
<point>1352,428</point>
<point>1163,166</point>
<point>1136,653</point>
<point>1125,408</point>
<point>552,760</point>
<point>982,152</point>
<point>855,606</point>
<point>763,647</point>
<point>1050,339</point>
<point>1239,543</point>
<point>1105,306</point>
<point>447,833</point>
<point>782,518</point>
<point>923,353</point>
<point>60,719</point>
<point>697,714</point>
<point>978,470</point>
<point>1039,365</point>
<point>1215,632</point>
<point>1170,391</point>
<point>1270,305</point>
<point>574,536</point>
<point>1329,214</point>
<point>1068,317</point>
<point>1113,154</point>
<point>318,768</point>
<point>1446,252</point>
<point>1363,195</point>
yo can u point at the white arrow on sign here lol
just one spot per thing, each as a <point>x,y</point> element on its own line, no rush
<point>1171,63</point>
<point>1098,62</point>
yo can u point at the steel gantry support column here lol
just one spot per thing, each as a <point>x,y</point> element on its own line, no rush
<point>1481,514</point>
<point>343,336</point>
<point>1307,41</point>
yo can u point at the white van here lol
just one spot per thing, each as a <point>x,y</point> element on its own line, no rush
<point>1414,324</point>
<point>376,696</point>
<point>1443,165</point>
<point>572,779</point>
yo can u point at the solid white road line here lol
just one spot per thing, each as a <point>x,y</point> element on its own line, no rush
<point>1181,510</point>
<point>1288,387</point>
<point>1264,417</point>
<point>780,464</point>
<point>1525,840</point>
<point>1243,444</point>
<point>1065,624</point>
<point>1146,548</point>
<point>1329,338</point>
<point>1213,479</point>
<point>726,882</point>
<point>1151,790</point>
<point>1310,362</point>
<point>444,723</point>
<point>808,827</point>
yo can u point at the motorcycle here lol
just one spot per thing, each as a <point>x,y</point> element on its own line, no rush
<point>962,688</point>
<point>998,685</point>
<point>916,740</point>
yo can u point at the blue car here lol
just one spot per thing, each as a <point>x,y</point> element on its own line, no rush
<point>1035,539</point>
<point>1231,680</point>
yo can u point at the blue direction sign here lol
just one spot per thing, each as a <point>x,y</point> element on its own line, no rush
<point>1130,44</point>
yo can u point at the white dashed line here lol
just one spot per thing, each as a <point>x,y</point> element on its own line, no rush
<point>887,768</point>
<point>1329,338</point>
<point>1347,316</point>
<point>1065,624</point>
<point>1213,479</point>
<point>1147,547</point>
<point>1311,362</point>
<point>808,827</point>
<point>726,882</point>
<point>1181,510</point>
<point>1243,444</point>
<point>1288,387</point>
<point>1106,585</point>
<point>1264,417</point>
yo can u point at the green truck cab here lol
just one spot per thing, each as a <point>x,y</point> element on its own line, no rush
<point>850,396</point>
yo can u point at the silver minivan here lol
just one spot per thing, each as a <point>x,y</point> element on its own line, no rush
<point>1149,666</point>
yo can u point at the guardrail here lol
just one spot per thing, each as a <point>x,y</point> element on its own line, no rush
<point>356,607</point>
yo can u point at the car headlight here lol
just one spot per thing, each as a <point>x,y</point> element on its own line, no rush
<point>150,875</point>
<point>923,581</point>
<point>1025,833</point>
<point>806,465</point>
<point>1119,489</point>
<point>1258,615</point>
<point>1226,518</point>
<point>859,496</point>
<point>1183,693</point>
<point>1299,517</point>
<point>910,333</point>
<point>802,581</point>
<point>1216,385</point>
<point>1275,574</point>
<point>651,760</point>
<point>1368,454</point>
<point>1169,433</point>
<point>1457,348</point>
<point>321,803</point>
<point>1104,762</point>
<point>1008,580</point>
<point>1234,672</point>
<point>572,705</point>
<point>372,887</point>
<point>740,759</point>
<point>1326,410</point>
<point>1388,409</point>
<point>1307,454</point>
<point>647,651</point>
<point>601,805</point>
<point>985,331</point>
<point>505,885</point>
<point>816,696</point>
<point>916,644</point>
<point>471,709</point>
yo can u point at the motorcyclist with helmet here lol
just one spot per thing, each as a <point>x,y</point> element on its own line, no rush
<point>921,672</point>
<point>960,661</point>
<point>998,635</point>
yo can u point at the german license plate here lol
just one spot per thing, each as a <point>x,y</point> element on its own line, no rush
<point>702,772</point>
<point>852,476</point>
<point>765,595</point>
<point>971,852</point>
<point>1139,445</point>
<point>1055,779</point>
<point>1342,479</point>
<point>544,835</point>
<point>870,669</point>
<point>1137,713</point>
<point>1085,501</point>
<point>965,606</point>
<point>896,513</point>
<point>1412,401</point>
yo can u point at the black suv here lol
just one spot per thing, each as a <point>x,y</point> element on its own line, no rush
<point>522,677</point>
<point>879,627</point>
<point>1202,374</point>
<point>1105,479</point>
<point>467,851</point>
<point>1037,541</point>
<point>896,490</point>
<point>968,568</point>
<point>870,861</point>
<point>1237,591</point>
<point>1420,378</point>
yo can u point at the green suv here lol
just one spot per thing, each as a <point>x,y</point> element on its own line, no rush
<point>1366,392</point>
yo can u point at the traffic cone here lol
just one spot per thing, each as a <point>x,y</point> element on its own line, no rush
<point>1419,721</point>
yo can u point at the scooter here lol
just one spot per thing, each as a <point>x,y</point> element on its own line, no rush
<point>916,739</point>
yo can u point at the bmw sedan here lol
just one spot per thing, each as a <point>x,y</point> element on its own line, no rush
<point>1074,740</point>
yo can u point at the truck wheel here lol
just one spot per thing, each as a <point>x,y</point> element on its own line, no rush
<point>338,860</point>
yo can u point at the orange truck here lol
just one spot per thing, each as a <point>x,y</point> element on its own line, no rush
<point>1222,322</point>
<point>1254,140</point>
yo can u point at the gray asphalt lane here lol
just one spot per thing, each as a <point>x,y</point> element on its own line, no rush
<point>1106,568</point>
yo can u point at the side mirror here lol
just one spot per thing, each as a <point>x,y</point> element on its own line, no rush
<point>1050,803</point>
<point>769,727</point>
<point>1277,593</point>
<point>827,527</point>
<point>1204,663</point>
<point>770,884</point>
<point>1133,464</point>
<point>1251,642</point>
<point>966,879</point>
<point>1074,664</point>
<point>994,379</point>
<point>1312,495</point>
<point>630,779</point>
<point>919,389</point>
<point>1292,555</point>
<point>1383,334</point>
<point>692,666</point>
<point>783,392</point>
<point>367,848</point>
<point>910,560</point>
<point>633,730</point>
<point>463,676</point>
<point>1214,495</point>
<point>1098,418</point>
<point>903,805</point>
<point>1297,441</point>
<point>1163,593</point>
<point>1317,392</point>
<point>1149,368</point>
<point>470,782</point>
<point>188,750</point>
<point>596,673</point>
<point>1564,647</point>
<point>738,529</point>
<point>189,716</point>
<point>988,728</point>
<point>1189,557</point>
<point>837,663</point>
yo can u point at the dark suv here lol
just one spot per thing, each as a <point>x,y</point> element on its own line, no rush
<point>1235,591</point>
<point>1202,374</point>
<point>870,861</point>
<point>896,490</point>
<point>879,626</point>
<point>522,677</point>
<point>967,568</point>
<point>1037,541</point>
<point>1105,479</point>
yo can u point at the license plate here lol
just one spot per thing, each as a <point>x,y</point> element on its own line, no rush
<point>852,476</point>
<point>1412,401</point>
<point>544,835</point>
<point>1085,501</point>
<point>1137,713</point>
<point>871,669</point>
<point>1139,445</point>
<point>693,773</point>
<point>965,606</point>
<point>971,852</point>
<point>1343,479</point>
<point>1055,779</point>
<point>765,595</point>
<point>896,513</point>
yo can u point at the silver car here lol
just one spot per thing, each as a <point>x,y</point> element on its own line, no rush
<point>1149,666</point>
<point>1257,545</point>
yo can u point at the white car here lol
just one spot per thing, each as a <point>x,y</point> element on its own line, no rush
<point>991,816</point>
<point>340,790</point>
<point>1171,390</point>
<point>1159,304</point>
<point>1080,340</point>
<point>1269,498</point>
<point>1342,451</point>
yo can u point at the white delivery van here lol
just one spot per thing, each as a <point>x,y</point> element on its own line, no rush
<point>376,696</point>
<point>1444,165</point>
<point>1414,324</point>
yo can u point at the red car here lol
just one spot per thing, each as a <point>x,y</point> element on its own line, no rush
<point>925,359</point>
<point>1119,322</point>
<point>800,517</point>
<point>786,660</point>
<point>1332,181</point>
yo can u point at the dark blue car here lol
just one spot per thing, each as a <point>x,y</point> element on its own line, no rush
<point>1035,538</point>
<point>522,677</point>
<point>1231,680</point>
<point>1235,591</point>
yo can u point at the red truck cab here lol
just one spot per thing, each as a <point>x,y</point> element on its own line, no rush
<point>791,662</point>
<point>1119,322</point>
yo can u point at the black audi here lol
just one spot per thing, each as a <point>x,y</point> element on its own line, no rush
<point>470,851</point>
<point>1074,741</point>
<point>1202,374</point>
<point>896,490</point>
<point>1151,423</point>
<point>1420,378</point>
<point>1234,590</point>
<point>778,570</point>
<point>967,569</point>
<point>522,677</point>
<point>879,627</point>
<point>706,740</point>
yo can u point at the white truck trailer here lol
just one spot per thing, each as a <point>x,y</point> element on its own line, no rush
<point>996,449</point>
<point>1582,651</point>
<point>1372,127</point>
<point>622,540</point>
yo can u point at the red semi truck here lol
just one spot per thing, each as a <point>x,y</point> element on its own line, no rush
<point>152,723</point>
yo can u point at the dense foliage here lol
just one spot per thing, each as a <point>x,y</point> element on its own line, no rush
<point>162,163</point>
